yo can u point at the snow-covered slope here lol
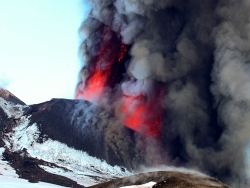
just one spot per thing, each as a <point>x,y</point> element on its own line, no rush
<point>24,138</point>
<point>9,177</point>
<point>64,143</point>
<point>74,164</point>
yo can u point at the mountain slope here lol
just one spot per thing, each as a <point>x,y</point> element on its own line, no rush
<point>165,179</point>
<point>64,142</point>
<point>37,156</point>
<point>78,124</point>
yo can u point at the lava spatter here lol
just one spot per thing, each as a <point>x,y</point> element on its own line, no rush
<point>143,113</point>
<point>105,69</point>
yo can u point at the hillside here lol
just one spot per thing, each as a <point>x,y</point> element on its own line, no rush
<point>63,142</point>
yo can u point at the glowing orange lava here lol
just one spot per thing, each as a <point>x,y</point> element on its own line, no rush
<point>133,110</point>
<point>141,114</point>
<point>104,68</point>
<point>94,86</point>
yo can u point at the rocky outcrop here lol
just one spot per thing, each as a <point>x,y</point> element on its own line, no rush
<point>166,179</point>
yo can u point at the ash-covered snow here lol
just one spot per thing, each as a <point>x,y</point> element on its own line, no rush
<point>75,164</point>
<point>9,177</point>
<point>5,169</point>
<point>12,110</point>
<point>146,185</point>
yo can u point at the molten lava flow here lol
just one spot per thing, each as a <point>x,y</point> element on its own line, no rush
<point>94,85</point>
<point>133,109</point>
<point>142,114</point>
<point>105,69</point>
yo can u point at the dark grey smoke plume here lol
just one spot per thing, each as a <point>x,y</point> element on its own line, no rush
<point>200,52</point>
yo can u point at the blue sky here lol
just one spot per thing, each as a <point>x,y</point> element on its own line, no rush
<point>39,47</point>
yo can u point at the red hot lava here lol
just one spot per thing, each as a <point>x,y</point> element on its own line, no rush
<point>106,69</point>
<point>142,113</point>
<point>103,68</point>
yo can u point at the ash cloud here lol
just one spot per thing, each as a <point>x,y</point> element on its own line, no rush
<point>198,51</point>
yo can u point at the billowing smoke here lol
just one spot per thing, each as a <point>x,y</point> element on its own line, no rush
<point>177,71</point>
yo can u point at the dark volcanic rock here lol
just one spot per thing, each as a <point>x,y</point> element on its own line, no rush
<point>84,126</point>
<point>8,96</point>
<point>165,179</point>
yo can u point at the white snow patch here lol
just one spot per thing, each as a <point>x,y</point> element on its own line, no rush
<point>146,185</point>
<point>1,153</point>
<point>84,169</point>
<point>12,110</point>
<point>10,182</point>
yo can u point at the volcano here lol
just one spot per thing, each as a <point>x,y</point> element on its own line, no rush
<point>64,142</point>
<point>176,74</point>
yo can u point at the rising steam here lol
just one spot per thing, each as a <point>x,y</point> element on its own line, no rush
<point>177,71</point>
